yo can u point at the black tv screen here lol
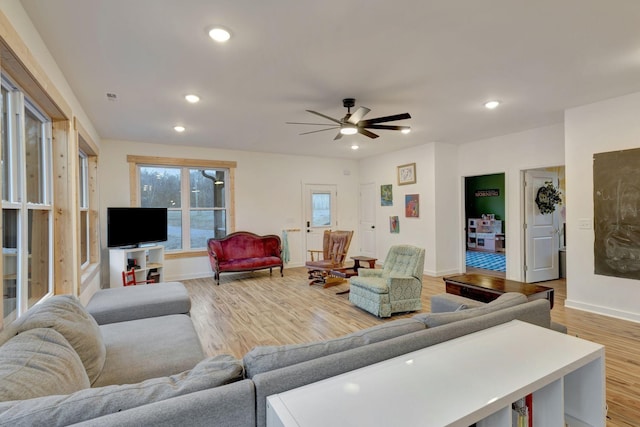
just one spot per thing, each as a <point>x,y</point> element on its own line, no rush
<point>135,226</point>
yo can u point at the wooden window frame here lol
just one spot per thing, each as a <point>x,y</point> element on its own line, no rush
<point>134,187</point>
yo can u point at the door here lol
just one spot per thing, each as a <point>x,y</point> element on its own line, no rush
<point>367,229</point>
<point>319,213</point>
<point>541,231</point>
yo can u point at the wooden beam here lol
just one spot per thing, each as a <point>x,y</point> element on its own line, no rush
<point>65,166</point>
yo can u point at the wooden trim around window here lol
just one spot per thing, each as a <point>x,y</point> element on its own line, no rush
<point>135,161</point>
<point>172,161</point>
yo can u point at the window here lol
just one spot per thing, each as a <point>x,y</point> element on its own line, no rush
<point>88,226</point>
<point>83,201</point>
<point>197,194</point>
<point>27,223</point>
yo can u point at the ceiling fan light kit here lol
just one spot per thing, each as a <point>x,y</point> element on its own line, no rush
<point>351,124</point>
<point>219,34</point>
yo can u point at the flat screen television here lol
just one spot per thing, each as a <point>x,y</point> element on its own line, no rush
<point>135,226</point>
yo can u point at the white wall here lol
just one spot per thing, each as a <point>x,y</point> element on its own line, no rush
<point>435,164</point>
<point>511,154</point>
<point>596,128</point>
<point>268,193</point>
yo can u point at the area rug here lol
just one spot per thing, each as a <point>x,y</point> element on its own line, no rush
<point>487,260</point>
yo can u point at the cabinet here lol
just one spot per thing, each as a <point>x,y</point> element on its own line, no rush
<point>149,260</point>
<point>467,380</point>
<point>485,235</point>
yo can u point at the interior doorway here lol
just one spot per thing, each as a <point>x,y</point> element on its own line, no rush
<point>486,250</point>
<point>543,226</point>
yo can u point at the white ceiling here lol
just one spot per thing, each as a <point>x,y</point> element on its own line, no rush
<point>439,60</point>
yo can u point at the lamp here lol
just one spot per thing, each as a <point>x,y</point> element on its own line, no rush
<point>348,129</point>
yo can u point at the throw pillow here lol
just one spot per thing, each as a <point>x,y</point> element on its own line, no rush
<point>95,402</point>
<point>65,314</point>
<point>39,362</point>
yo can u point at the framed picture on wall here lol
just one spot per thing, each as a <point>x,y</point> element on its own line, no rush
<point>407,174</point>
<point>386,195</point>
<point>394,224</point>
<point>412,205</point>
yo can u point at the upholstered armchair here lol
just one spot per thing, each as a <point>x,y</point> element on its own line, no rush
<point>393,289</point>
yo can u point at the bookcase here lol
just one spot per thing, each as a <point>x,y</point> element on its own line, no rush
<point>467,380</point>
<point>149,261</point>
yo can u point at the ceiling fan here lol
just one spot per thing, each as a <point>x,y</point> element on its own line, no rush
<point>352,123</point>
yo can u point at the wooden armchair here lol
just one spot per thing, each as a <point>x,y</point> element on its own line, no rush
<point>335,245</point>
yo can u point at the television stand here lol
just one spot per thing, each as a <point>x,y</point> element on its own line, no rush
<point>148,259</point>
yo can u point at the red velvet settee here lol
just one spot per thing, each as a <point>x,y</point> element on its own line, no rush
<point>244,251</point>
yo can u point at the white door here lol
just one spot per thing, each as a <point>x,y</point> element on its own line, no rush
<point>319,213</point>
<point>541,231</point>
<point>367,231</point>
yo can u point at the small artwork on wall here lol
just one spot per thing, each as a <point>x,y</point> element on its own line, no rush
<point>394,224</point>
<point>412,205</point>
<point>386,195</point>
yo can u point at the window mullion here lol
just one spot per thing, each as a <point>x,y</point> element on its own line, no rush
<point>185,203</point>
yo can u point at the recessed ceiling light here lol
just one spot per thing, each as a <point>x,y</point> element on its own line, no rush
<point>406,130</point>
<point>179,128</point>
<point>491,104</point>
<point>355,146</point>
<point>219,34</point>
<point>192,98</point>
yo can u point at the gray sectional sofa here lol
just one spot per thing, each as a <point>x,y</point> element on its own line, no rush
<point>227,392</point>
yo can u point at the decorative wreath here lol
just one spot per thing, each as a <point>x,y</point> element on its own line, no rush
<point>547,198</point>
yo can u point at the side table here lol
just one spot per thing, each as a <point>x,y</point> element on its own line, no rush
<point>347,272</point>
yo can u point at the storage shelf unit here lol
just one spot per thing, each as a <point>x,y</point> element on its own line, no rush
<point>467,380</point>
<point>150,259</point>
<point>485,235</point>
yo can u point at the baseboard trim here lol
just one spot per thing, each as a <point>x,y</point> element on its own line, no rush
<point>605,311</point>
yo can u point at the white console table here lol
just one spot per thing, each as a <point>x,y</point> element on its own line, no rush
<point>471,379</point>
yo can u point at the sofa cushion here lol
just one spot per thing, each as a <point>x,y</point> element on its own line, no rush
<point>95,402</point>
<point>266,358</point>
<point>65,314</point>
<point>39,362</point>
<point>139,302</point>
<point>148,348</point>
<point>505,300</point>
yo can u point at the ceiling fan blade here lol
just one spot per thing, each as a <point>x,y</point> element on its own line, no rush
<point>338,136</point>
<point>367,133</point>
<point>385,119</point>
<point>387,127</point>
<point>322,115</point>
<point>358,115</point>
<point>320,130</point>
<point>301,123</point>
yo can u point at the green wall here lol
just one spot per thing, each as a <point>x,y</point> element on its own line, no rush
<point>476,206</point>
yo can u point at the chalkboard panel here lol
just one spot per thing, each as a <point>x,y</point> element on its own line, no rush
<point>616,203</point>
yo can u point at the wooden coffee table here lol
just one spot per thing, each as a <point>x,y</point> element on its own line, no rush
<point>487,288</point>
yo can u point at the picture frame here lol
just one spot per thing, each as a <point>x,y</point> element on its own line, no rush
<point>386,195</point>
<point>412,205</point>
<point>407,174</point>
<point>394,224</point>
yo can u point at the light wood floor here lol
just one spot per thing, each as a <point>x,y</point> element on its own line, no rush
<point>251,309</point>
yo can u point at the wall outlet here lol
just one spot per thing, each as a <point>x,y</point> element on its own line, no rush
<point>585,224</point>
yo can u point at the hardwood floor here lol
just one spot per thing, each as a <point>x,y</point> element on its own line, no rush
<point>253,309</point>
